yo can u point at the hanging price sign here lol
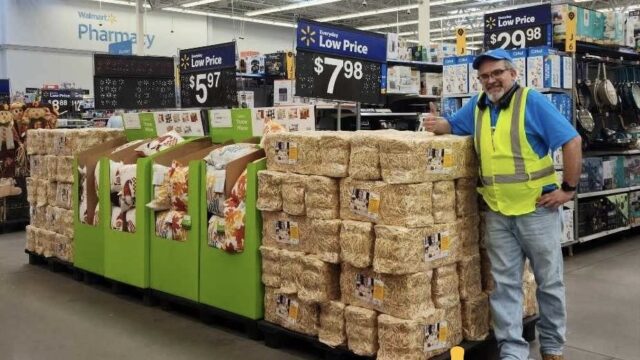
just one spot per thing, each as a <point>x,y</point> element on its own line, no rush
<point>208,76</point>
<point>335,62</point>
<point>518,28</point>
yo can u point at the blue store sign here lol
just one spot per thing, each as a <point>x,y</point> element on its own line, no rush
<point>121,48</point>
<point>207,58</point>
<point>518,28</point>
<point>518,18</point>
<point>341,41</point>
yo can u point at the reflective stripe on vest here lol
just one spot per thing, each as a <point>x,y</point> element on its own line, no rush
<point>520,175</point>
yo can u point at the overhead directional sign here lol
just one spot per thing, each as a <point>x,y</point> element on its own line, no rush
<point>336,62</point>
<point>208,76</point>
<point>518,28</point>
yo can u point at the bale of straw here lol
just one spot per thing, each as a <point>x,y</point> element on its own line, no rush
<point>476,317</point>
<point>332,325</point>
<point>362,330</point>
<point>270,190</point>
<point>322,197</point>
<point>470,274</point>
<point>271,266</point>
<point>421,338</point>
<point>285,231</point>
<point>324,239</point>
<point>444,202</point>
<point>293,189</point>
<point>357,243</point>
<point>334,153</point>
<point>290,312</point>
<point>319,280</point>
<point>466,197</point>
<point>444,286</point>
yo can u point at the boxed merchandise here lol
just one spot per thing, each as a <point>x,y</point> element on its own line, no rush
<point>324,239</point>
<point>475,86</point>
<point>285,231</point>
<point>449,80</point>
<point>567,72</point>
<point>297,152</point>
<point>617,211</point>
<point>520,63</point>
<point>598,27</point>
<point>431,84</point>
<point>462,71</point>
<point>321,198</point>
<point>275,64</point>
<point>447,157</point>
<point>271,266</point>
<point>632,170</point>
<point>390,204</point>
<point>632,28</point>
<point>402,80</point>
<point>393,43</point>
<point>634,208</point>
<point>543,68</point>
<point>400,250</point>
<point>423,337</point>
<point>255,64</point>
<point>332,325</point>
<point>563,103</point>
<point>609,165</point>
<point>357,243</point>
<point>593,216</point>
<point>283,92</point>
<point>362,330</point>
<point>450,105</point>
<point>269,190</point>
<point>567,225</point>
<point>592,175</point>
<point>290,312</point>
<point>560,15</point>
<point>319,281</point>
<point>444,287</point>
<point>476,317</point>
<point>469,272</point>
<point>402,296</point>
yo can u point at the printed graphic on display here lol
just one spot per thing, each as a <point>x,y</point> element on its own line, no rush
<point>287,232</point>
<point>293,118</point>
<point>365,203</point>
<point>439,160</point>
<point>133,66</point>
<point>436,246</point>
<point>518,28</point>
<point>185,123</point>
<point>286,152</point>
<point>208,76</point>
<point>364,287</point>
<point>435,336</point>
<point>287,308</point>
<point>134,93</point>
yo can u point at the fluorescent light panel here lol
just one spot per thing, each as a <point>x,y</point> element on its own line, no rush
<point>196,3</point>
<point>385,11</point>
<point>231,17</point>
<point>395,24</point>
<point>290,7</point>
<point>121,2</point>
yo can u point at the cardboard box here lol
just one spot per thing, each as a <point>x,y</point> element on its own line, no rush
<point>592,177</point>
<point>275,64</point>
<point>632,170</point>
<point>563,103</point>
<point>402,80</point>
<point>246,99</point>
<point>543,68</point>
<point>520,62</point>
<point>608,173</point>
<point>597,29</point>
<point>283,91</point>
<point>634,208</point>
<point>617,211</point>
<point>449,84</point>
<point>463,69</point>
<point>632,27</point>
<point>567,225</point>
<point>567,72</point>
<point>450,106</point>
<point>431,83</point>
<point>393,45</point>
<point>613,32</point>
<point>255,64</point>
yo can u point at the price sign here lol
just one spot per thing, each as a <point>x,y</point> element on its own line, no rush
<point>335,62</point>
<point>208,76</point>
<point>518,28</point>
<point>63,101</point>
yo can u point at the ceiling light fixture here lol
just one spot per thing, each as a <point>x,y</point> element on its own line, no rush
<point>290,7</point>
<point>231,17</point>
<point>382,26</point>
<point>385,11</point>
<point>121,2</point>
<point>196,3</point>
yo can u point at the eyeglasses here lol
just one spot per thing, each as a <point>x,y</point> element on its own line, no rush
<point>494,74</point>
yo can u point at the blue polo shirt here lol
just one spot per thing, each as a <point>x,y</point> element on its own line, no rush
<point>546,129</point>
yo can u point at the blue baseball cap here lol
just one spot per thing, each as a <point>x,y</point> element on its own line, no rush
<point>496,54</point>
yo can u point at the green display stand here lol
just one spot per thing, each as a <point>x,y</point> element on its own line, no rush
<point>127,254</point>
<point>174,265</point>
<point>232,282</point>
<point>89,239</point>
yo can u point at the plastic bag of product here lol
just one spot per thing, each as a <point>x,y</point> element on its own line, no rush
<point>271,266</point>
<point>160,143</point>
<point>161,198</point>
<point>319,281</point>
<point>128,178</point>
<point>290,312</point>
<point>332,330</point>
<point>293,194</point>
<point>215,191</point>
<point>218,158</point>
<point>216,232</point>
<point>444,286</point>
<point>357,243</point>
<point>115,178</point>
<point>476,317</point>
<point>269,190</point>
<point>322,198</point>
<point>169,225</point>
<point>32,190</point>
<point>361,330</point>
<point>400,250</point>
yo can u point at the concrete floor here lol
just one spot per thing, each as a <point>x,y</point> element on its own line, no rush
<point>44,315</point>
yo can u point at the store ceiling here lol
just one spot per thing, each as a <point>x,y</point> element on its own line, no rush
<point>446,15</point>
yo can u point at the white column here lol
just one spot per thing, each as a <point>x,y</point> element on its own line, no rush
<point>424,23</point>
<point>140,27</point>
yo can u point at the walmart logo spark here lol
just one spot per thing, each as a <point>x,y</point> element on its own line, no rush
<point>184,61</point>
<point>491,23</point>
<point>308,35</point>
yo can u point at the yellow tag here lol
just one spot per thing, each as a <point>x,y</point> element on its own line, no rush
<point>293,311</point>
<point>448,160</point>
<point>445,243</point>
<point>570,40</point>
<point>293,153</point>
<point>461,41</point>
<point>457,353</point>
<point>443,334</point>
<point>294,233</point>
<point>378,291</point>
<point>374,205</point>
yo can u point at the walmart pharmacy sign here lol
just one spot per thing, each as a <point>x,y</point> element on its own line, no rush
<point>91,28</point>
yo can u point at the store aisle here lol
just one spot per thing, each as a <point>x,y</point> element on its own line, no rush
<point>49,316</point>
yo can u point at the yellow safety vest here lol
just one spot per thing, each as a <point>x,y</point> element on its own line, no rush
<point>511,172</point>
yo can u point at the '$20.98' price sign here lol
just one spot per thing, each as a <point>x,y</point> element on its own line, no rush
<point>203,83</point>
<point>349,69</point>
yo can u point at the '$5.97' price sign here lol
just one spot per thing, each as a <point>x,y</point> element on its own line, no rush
<point>208,76</point>
<point>347,68</point>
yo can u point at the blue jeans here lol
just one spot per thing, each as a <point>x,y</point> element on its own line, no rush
<point>509,239</point>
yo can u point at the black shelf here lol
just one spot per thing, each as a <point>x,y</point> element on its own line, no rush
<point>422,65</point>
<point>609,51</point>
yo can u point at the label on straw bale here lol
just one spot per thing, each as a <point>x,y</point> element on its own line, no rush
<point>287,308</point>
<point>435,336</point>
<point>365,203</point>
<point>437,246</point>
<point>287,232</point>
<point>439,160</point>
<point>286,152</point>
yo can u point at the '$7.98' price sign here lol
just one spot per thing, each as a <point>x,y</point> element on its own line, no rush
<point>347,68</point>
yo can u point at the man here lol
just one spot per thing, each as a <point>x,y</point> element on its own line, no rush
<point>514,130</point>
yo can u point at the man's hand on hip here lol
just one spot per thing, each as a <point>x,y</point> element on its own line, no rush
<point>555,199</point>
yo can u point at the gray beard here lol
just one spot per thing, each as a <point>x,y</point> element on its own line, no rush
<point>495,97</point>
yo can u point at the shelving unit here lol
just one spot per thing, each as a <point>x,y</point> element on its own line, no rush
<point>608,192</point>
<point>603,233</point>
